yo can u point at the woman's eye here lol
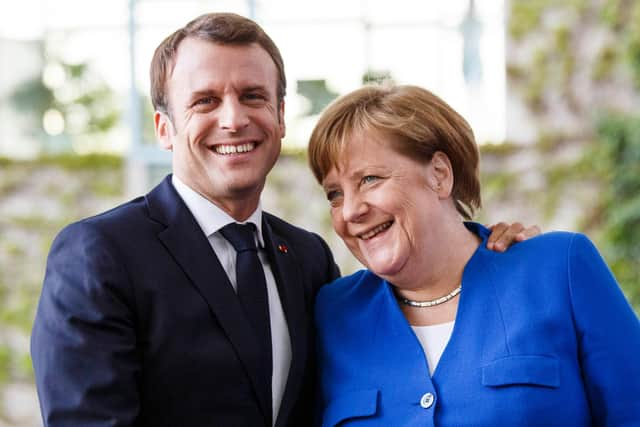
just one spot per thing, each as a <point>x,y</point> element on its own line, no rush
<point>369,179</point>
<point>332,196</point>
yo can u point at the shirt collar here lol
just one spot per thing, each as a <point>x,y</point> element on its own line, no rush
<point>210,217</point>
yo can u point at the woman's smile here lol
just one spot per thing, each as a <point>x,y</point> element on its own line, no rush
<point>381,206</point>
<point>375,231</point>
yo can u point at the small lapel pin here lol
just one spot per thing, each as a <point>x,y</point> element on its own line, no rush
<point>283,248</point>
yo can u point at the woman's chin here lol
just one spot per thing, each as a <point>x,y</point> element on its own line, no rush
<point>383,266</point>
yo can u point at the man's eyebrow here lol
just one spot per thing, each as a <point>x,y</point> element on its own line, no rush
<point>253,88</point>
<point>201,92</point>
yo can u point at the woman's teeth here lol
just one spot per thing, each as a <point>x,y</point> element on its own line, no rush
<point>369,234</point>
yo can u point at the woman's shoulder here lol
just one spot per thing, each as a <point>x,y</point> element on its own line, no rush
<point>346,290</point>
<point>542,243</point>
<point>348,284</point>
<point>547,259</point>
<point>345,308</point>
<point>556,242</point>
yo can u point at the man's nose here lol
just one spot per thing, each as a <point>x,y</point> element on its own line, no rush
<point>232,116</point>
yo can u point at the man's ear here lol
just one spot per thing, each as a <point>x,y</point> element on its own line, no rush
<point>283,127</point>
<point>164,129</point>
<point>441,174</point>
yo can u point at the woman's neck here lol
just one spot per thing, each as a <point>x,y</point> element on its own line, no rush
<point>438,274</point>
<point>439,269</point>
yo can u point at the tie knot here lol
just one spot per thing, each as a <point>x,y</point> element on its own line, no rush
<point>240,236</point>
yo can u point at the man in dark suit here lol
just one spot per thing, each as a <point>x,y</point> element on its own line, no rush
<point>141,320</point>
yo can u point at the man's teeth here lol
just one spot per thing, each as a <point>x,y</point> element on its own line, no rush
<point>378,229</point>
<point>233,149</point>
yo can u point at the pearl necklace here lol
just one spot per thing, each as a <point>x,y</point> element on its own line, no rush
<point>432,302</point>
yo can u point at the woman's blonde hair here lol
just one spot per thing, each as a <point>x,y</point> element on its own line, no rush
<point>418,123</point>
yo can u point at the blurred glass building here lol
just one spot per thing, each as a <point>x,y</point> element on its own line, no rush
<point>78,73</point>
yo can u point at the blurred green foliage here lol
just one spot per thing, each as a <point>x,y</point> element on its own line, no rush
<point>71,161</point>
<point>525,16</point>
<point>616,157</point>
<point>562,67</point>
<point>316,93</point>
<point>38,197</point>
<point>380,77</point>
<point>85,102</point>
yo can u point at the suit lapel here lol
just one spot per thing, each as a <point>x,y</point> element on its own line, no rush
<point>291,292</point>
<point>185,240</point>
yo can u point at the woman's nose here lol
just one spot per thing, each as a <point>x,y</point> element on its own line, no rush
<point>232,116</point>
<point>354,208</point>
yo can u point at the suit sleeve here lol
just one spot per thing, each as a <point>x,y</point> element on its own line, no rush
<point>608,336</point>
<point>83,343</point>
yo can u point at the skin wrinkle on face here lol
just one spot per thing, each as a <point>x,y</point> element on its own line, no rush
<point>223,94</point>
<point>400,194</point>
<point>425,248</point>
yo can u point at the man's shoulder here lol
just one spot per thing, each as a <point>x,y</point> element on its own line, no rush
<point>309,248</point>
<point>122,220</point>
<point>127,215</point>
<point>123,213</point>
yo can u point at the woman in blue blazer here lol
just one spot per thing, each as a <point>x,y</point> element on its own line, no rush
<point>438,330</point>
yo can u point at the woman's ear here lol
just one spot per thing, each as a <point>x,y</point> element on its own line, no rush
<point>441,174</point>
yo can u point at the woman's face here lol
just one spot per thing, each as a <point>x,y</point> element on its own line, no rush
<point>383,206</point>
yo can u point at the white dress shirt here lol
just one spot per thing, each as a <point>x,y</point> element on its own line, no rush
<point>211,219</point>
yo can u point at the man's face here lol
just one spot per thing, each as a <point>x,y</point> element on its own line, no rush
<point>226,123</point>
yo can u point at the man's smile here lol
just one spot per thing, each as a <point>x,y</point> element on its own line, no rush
<point>226,149</point>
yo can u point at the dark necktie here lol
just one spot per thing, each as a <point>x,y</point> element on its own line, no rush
<point>252,286</point>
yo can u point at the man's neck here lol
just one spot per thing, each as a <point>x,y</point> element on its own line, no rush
<point>239,206</point>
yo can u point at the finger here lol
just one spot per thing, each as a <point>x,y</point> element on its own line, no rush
<point>528,233</point>
<point>508,237</point>
<point>496,231</point>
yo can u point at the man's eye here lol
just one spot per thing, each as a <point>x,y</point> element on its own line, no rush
<point>254,97</point>
<point>205,101</point>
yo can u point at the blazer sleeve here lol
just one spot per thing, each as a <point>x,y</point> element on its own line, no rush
<point>83,343</point>
<point>608,336</point>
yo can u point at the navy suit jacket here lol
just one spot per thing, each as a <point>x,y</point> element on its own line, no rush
<point>543,337</point>
<point>138,325</point>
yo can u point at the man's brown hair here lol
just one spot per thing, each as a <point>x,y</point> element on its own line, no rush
<point>222,28</point>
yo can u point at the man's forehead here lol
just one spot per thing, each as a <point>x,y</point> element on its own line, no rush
<point>249,62</point>
<point>247,51</point>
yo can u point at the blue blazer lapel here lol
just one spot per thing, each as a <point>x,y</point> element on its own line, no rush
<point>385,342</point>
<point>392,331</point>
<point>480,329</point>
<point>479,325</point>
<point>184,239</point>
<point>291,290</point>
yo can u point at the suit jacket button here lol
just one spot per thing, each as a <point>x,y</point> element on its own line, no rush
<point>427,400</point>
